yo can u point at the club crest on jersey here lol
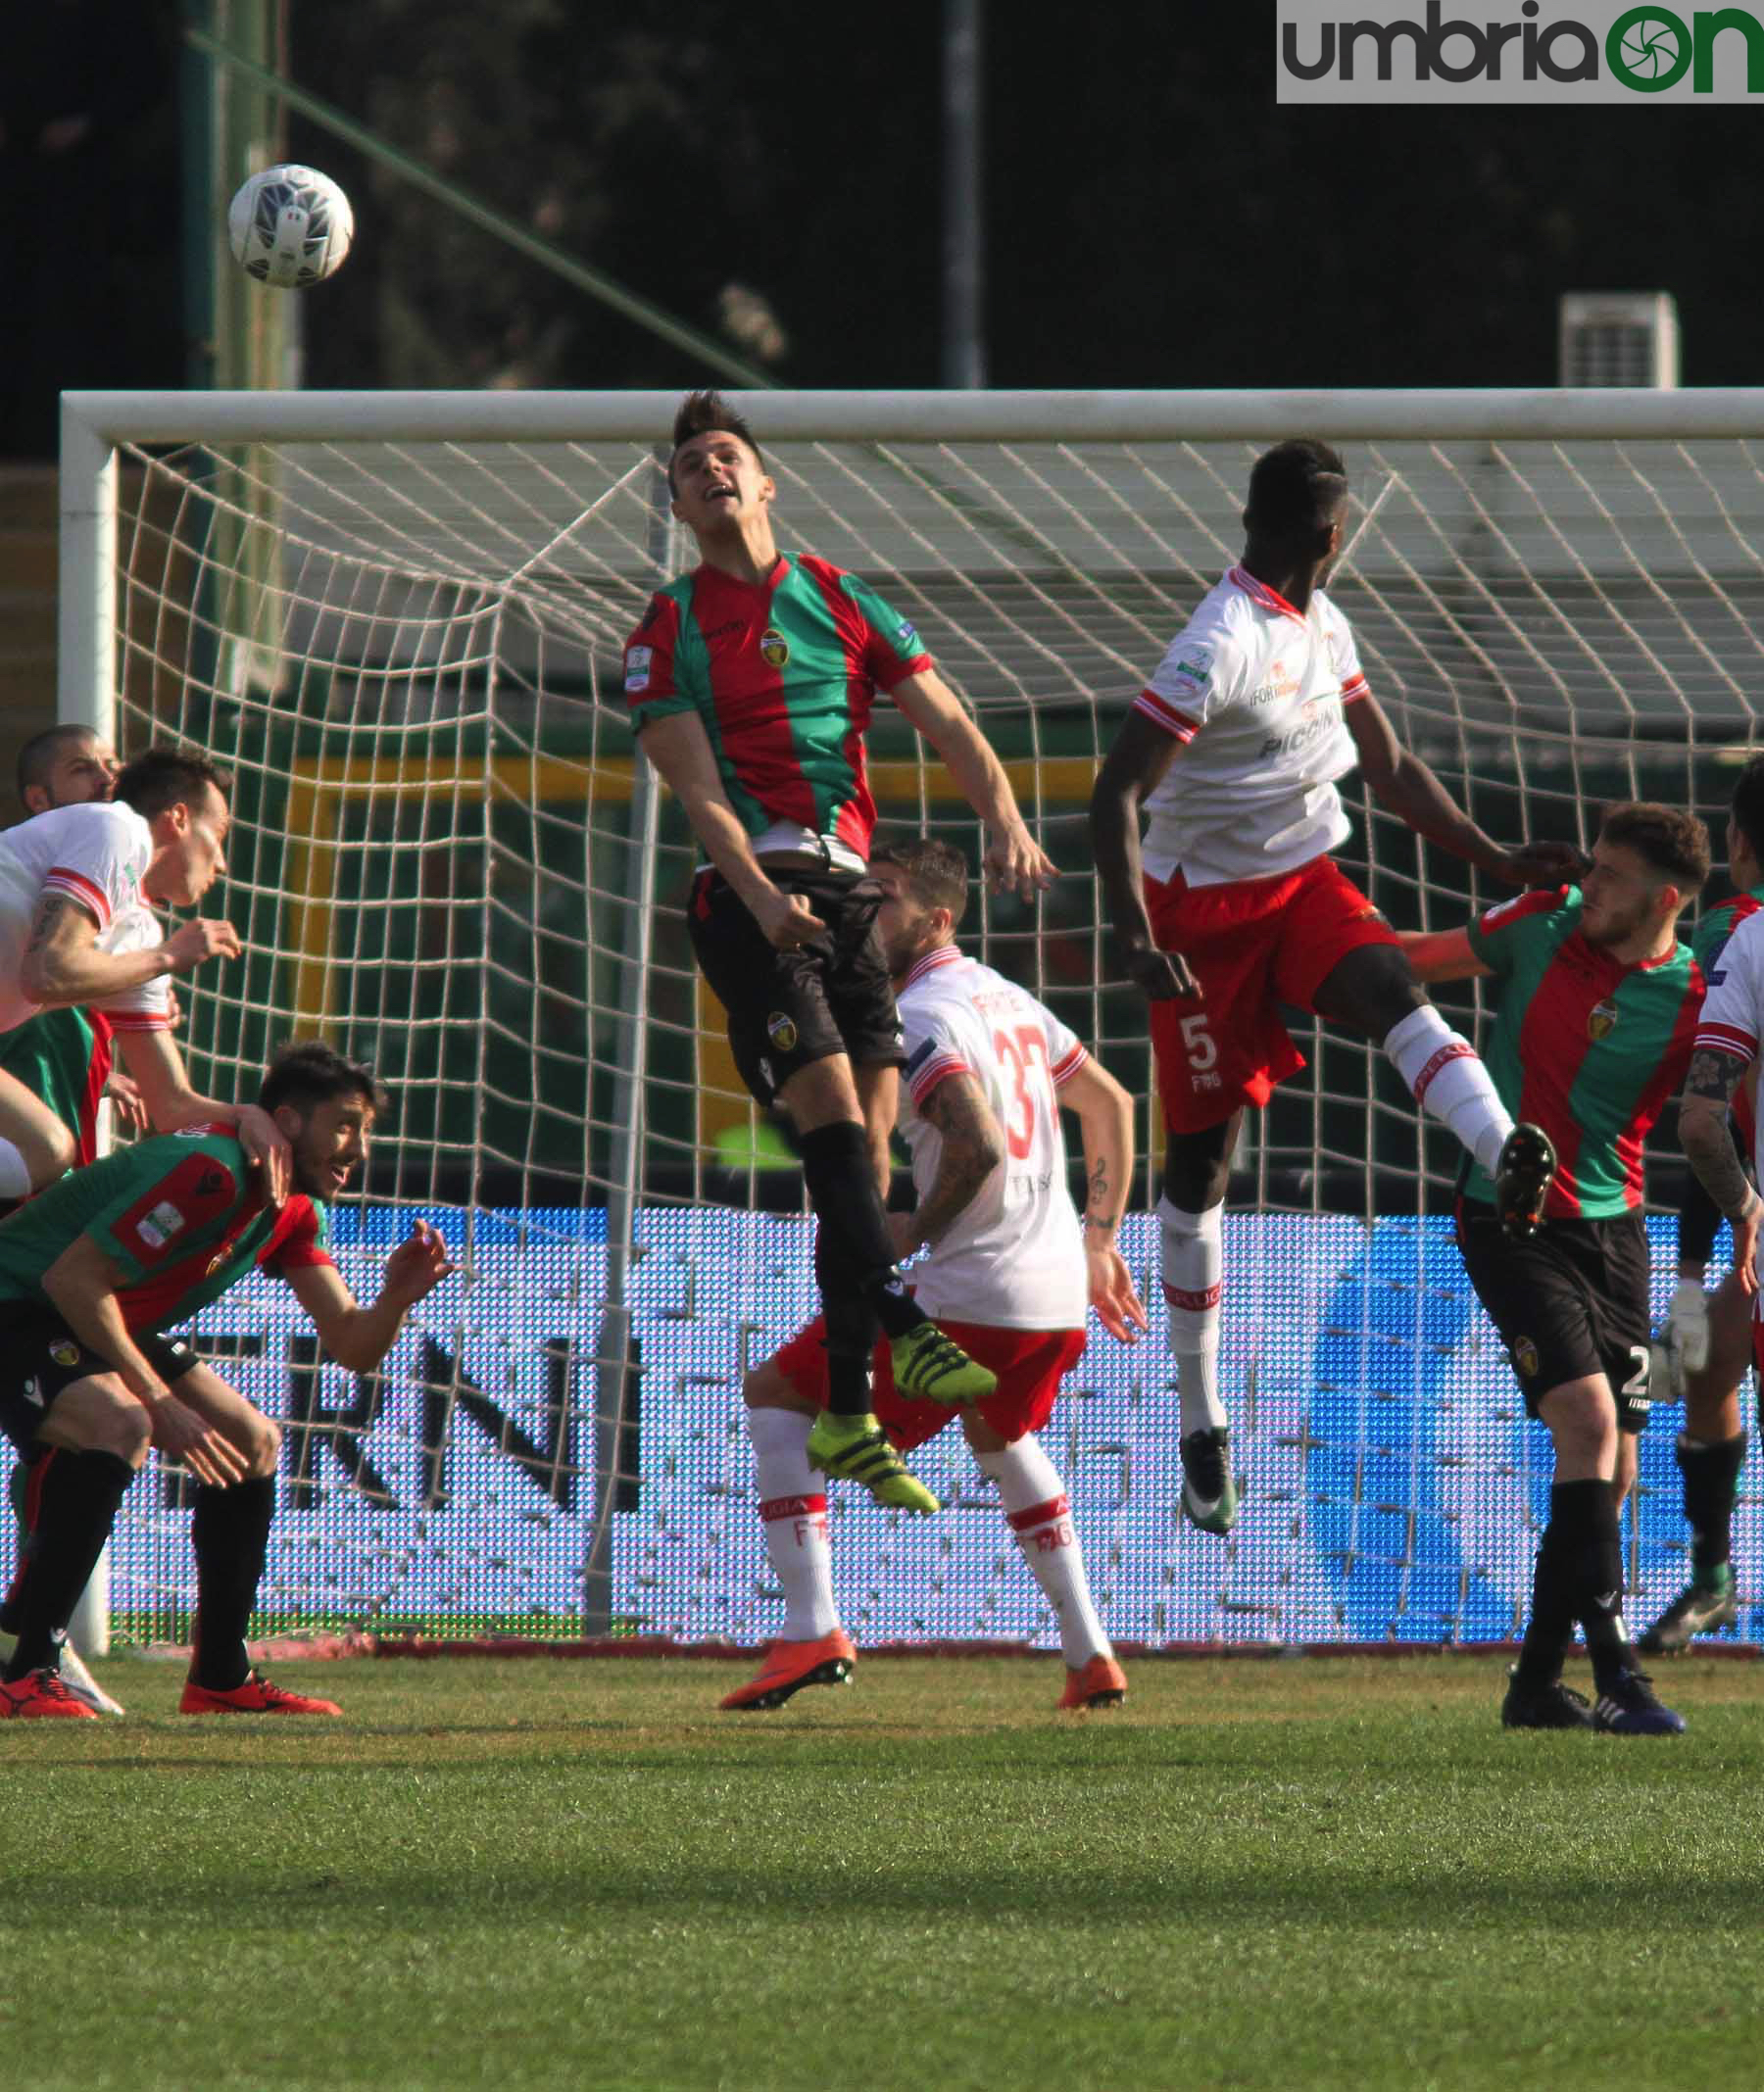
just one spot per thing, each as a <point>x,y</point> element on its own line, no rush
<point>1601,1020</point>
<point>1525,1357</point>
<point>774,648</point>
<point>64,1353</point>
<point>781,1031</point>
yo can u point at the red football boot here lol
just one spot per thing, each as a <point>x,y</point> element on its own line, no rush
<point>788,1665</point>
<point>257,1696</point>
<point>1101,1682</point>
<point>41,1697</point>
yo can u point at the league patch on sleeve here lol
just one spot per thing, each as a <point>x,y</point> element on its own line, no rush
<point>154,1230</point>
<point>637,668</point>
<point>907,637</point>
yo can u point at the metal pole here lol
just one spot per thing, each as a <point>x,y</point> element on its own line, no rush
<point>964,340</point>
<point>614,1360</point>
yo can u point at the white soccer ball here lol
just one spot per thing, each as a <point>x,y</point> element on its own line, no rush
<point>290,227</point>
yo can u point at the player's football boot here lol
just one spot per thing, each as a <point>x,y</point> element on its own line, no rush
<point>1551,1706</point>
<point>80,1682</point>
<point>1209,1497</point>
<point>1698,1609</point>
<point>39,1697</point>
<point>1101,1682</point>
<point>856,1449</point>
<point>788,1665</point>
<point>1522,1179</point>
<point>257,1696</point>
<point>932,1367</point>
<point>1629,1708</point>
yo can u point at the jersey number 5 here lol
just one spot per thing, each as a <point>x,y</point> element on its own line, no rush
<point>1019,1055</point>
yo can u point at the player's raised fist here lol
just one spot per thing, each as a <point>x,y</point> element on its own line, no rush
<point>1016,863</point>
<point>1545,864</point>
<point>204,939</point>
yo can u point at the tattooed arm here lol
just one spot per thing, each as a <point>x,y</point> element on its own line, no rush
<point>973,1146</point>
<point>1710,1148</point>
<point>62,964</point>
<point>1105,1115</point>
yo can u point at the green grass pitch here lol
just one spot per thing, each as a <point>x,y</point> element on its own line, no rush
<point>1319,1873</point>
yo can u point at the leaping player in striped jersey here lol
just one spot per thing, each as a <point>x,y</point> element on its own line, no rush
<point>1011,1271</point>
<point>1234,906</point>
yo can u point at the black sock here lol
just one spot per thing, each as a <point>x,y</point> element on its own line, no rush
<point>851,1328</point>
<point>1593,1555</point>
<point>230,1534</point>
<point>78,1496</point>
<point>842,1190</point>
<point>1712,1475</point>
<point>1550,1628</point>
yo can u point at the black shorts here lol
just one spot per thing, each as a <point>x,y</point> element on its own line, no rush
<point>789,1009</point>
<point>43,1356</point>
<point>1569,1302</point>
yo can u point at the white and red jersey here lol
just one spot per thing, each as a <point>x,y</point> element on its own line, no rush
<point>1732,1020</point>
<point>95,855</point>
<point>1014,1258</point>
<point>1255,691</point>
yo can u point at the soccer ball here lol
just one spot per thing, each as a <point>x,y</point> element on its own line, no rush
<point>290,227</point>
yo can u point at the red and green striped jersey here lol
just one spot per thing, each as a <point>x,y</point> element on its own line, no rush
<point>179,1215</point>
<point>1714,926</point>
<point>62,1057</point>
<point>1585,1045</point>
<point>784,673</point>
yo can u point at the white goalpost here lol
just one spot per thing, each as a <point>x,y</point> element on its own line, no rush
<point>397,619</point>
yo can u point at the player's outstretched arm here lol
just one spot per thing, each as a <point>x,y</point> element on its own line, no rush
<point>1403,783</point>
<point>1105,1117</point>
<point>1013,858</point>
<point>1710,1148</point>
<point>1139,756</point>
<point>972,1147</point>
<point>359,1337</point>
<point>157,1067</point>
<point>62,966</point>
<point>680,749</point>
<point>1440,955</point>
<point>82,1285</point>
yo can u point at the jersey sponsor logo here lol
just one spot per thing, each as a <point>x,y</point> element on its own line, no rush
<point>774,648</point>
<point>156,1228</point>
<point>1322,717</point>
<point>781,1031</point>
<point>1524,1358</point>
<point>1601,1019</point>
<point>65,1352</point>
<point>1281,682</point>
<point>637,668</point>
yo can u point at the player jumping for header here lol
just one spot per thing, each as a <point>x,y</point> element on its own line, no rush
<point>1233,905</point>
<point>751,680</point>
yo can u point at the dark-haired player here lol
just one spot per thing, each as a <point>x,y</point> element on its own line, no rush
<point>1599,1015</point>
<point>1234,906</point>
<point>751,681</point>
<point>91,1273</point>
<point>1707,1339</point>
<point>1010,1264</point>
<point>75,932</point>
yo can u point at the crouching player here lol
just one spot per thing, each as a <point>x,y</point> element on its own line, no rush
<point>1598,1018</point>
<point>1009,1274</point>
<point>91,1273</point>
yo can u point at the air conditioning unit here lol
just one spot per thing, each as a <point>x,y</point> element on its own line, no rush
<point>1617,338</point>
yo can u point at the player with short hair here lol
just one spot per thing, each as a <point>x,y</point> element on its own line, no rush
<point>751,681</point>
<point>1011,1271</point>
<point>1706,1343</point>
<point>1234,906</point>
<point>65,766</point>
<point>1598,1018</point>
<point>92,1273</point>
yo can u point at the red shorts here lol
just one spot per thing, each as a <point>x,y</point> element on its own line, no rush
<point>1030,1365</point>
<point>1252,945</point>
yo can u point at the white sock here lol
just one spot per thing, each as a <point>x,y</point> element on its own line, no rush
<point>1035,1506</point>
<point>793,1509</point>
<point>1449,1080</point>
<point>14,1174</point>
<point>1194,1259</point>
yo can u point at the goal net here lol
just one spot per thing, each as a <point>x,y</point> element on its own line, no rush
<point>397,621</point>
